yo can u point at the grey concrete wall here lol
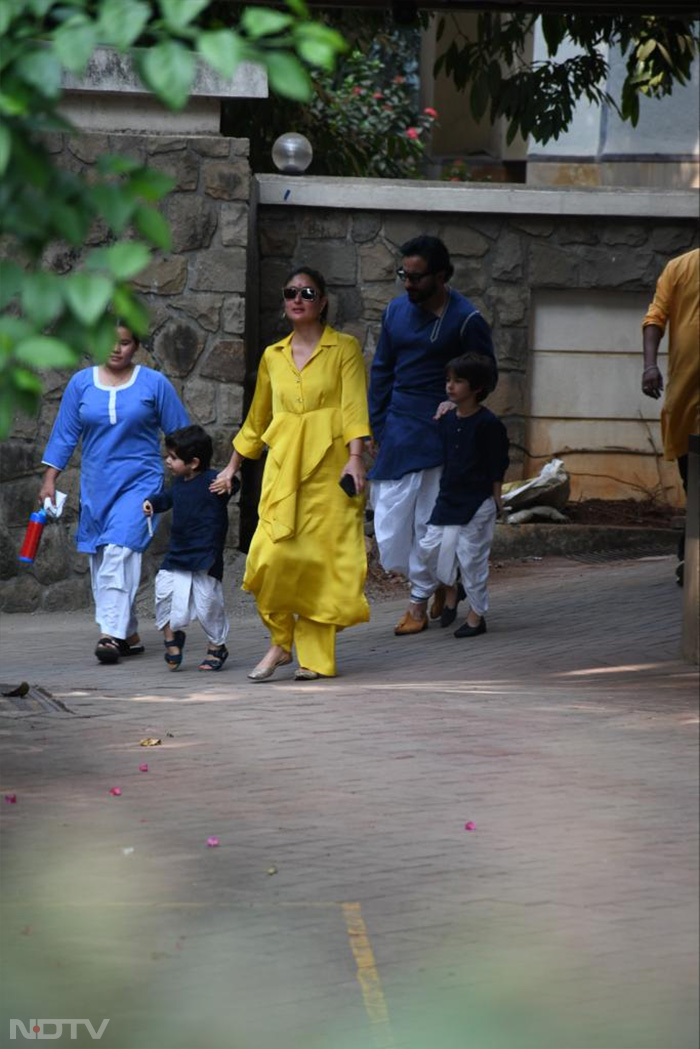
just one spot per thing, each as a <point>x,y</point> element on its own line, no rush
<point>196,295</point>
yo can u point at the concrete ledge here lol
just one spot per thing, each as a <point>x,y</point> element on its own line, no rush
<point>566,540</point>
<point>423,196</point>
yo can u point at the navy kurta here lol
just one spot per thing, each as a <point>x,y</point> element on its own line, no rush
<point>121,455</point>
<point>407,381</point>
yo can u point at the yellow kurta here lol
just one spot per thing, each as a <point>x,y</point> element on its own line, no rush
<point>677,302</point>
<point>308,552</point>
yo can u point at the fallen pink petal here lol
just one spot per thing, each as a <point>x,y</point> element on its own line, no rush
<point>11,799</point>
<point>116,791</point>
<point>212,842</point>
<point>470,825</point>
<point>143,768</point>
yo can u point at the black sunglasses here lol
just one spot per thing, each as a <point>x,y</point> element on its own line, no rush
<point>307,294</point>
<point>412,278</point>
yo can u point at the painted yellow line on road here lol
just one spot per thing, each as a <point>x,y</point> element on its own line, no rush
<point>368,977</point>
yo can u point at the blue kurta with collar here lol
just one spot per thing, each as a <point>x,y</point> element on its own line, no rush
<point>408,379</point>
<point>475,455</point>
<point>121,455</point>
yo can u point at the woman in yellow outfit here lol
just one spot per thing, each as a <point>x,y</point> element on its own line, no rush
<point>307,563</point>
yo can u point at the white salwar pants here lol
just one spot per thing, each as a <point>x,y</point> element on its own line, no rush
<point>182,597</point>
<point>444,548</point>
<point>115,574</point>
<point>401,512</point>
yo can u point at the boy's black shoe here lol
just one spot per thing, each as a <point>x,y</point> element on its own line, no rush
<point>448,615</point>
<point>471,631</point>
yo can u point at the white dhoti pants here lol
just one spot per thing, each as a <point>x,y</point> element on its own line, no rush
<point>182,597</point>
<point>115,574</point>
<point>444,548</point>
<point>401,512</point>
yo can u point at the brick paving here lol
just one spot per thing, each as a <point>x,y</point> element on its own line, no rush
<point>567,919</point>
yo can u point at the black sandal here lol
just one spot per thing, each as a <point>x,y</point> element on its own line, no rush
<point>171,658</point>
<point>125,649</point>
<point>214,659</point>
<point>108,650</point>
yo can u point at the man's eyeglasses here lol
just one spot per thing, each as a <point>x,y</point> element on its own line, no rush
<point>307,294</point>
<point>411,278</point>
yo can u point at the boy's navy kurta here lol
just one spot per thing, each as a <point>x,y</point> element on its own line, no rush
<point>199,526</point>
<point>408,379</point>
<point>475,454</point>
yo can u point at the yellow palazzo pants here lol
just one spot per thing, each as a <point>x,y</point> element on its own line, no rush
<point>314,642</point>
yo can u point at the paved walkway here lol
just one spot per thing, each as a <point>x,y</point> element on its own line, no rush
<point>346,906</point>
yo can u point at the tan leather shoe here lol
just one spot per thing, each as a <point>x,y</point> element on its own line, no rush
<point>438,603</point>
<point>408,625</point>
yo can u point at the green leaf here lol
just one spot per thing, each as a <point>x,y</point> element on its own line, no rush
<point>154,227</point>
<point>288,76</point>
<point>179,13</point>
<point>222,49</point>
<point>169,70</point>
<point>42,298</point>
<point>5,147</point>
<point>100,338</point>
<point>74,43</point>
<point>14,330</point>
<point>88,295</point>
<point>122,22</point>
<point>11,277</point>
<point>42,69</point>
<point>316,53</point>
<point>13,105</point>
<point>115,204</point>
<point>262,21</point>
<point>128,308</point>
<point>644,50</point>
<point>299,8</point>
<point>27,381</point>
<point>479,97</point>
<point>71,222</point>
<point>150,183</point>
<point>42,351</point>
<point>126,259</point>
<point>111,164</point>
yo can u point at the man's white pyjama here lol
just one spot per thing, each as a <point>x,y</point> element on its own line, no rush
<point>182,597</point>
<point>115,574</point>
<point>401,512</point>
<point>444,548</point>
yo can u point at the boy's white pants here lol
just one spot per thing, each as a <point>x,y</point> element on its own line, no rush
<point>401,512</point>
<point>182,597</point>
<point>115,573</point>
<point>444,548</point>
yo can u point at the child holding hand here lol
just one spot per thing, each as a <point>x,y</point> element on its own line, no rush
<point>188,584</point>
<point>460,529</point>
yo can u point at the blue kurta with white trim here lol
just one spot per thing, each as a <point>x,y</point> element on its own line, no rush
<point>407,381</point>
<point>119,427</point>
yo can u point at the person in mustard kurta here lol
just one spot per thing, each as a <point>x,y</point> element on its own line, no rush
<point>307,562</point>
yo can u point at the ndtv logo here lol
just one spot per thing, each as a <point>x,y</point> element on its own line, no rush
<point>37,1028</point>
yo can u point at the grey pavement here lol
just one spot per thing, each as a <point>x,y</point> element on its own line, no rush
<point>346,906</point>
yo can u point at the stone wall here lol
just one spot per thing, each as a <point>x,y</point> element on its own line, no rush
<point>197,296</point>
<point>501,263</point>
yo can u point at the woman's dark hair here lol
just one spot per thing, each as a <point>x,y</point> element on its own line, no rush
<point>191,442</point>
<point>318,279</point>
<point>122,324</point>
<point>432,250</point>
<point>477,369</point>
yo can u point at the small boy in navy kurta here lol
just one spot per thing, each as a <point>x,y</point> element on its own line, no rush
<point>188,584</point>
<point>460,528</point>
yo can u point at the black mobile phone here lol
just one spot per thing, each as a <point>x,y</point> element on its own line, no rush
<point>347,483</point>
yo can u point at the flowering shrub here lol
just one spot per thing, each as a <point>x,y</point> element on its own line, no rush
<point>459,171</point>
<point>366,122</point>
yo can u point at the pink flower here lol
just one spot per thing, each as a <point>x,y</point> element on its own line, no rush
<point>430,112</point>
<point>212,842</point>
<point>357,91</point>
<point>470,825</point>
<point>115,791</point>
<point>413,132</point>
<point>143,768</point>
<point>11,799</point>
<point>399,80</point>
<point>377,94</point>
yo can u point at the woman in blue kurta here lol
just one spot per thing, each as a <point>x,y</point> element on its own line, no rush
<point>117,410</point>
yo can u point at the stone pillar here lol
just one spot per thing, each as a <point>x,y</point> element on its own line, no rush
<point>691,571</point>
